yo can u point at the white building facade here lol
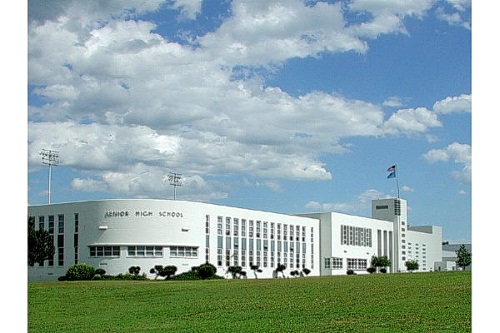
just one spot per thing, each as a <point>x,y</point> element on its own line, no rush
<point>349,242</point>
<point>117,234</point>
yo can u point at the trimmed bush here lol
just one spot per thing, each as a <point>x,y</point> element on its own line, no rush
<point>80,272</point>
<point>206,271</point>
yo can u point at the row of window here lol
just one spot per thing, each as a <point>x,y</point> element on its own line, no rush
<point>60,236</point>
<point>357,236</point>
<point>261,229</point>
<point>60,223</point>
<point>144,251</point>
<point>352,263</point>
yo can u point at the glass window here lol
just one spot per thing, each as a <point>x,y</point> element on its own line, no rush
<point>41,222</point>
<point>60,219</point>
<point>51,224</point>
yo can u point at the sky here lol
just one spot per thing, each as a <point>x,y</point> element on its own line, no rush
<point>285,106</point>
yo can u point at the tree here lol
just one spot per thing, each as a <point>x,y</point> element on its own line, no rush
<point>411,265</point>
<point>80,272</point>
<point>235,271</point>
<point>381,263</point>
<point>206,271</point>
<point>168,271</point>
<point>134,270</point>
<point>255,269</point>
<point>464,257</point>
<point>280,269</point>
<point>156,270</point>
<point>40,244</point>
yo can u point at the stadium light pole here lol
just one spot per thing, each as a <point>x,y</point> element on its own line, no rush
<point>175,180</point>
<point>50,158</point>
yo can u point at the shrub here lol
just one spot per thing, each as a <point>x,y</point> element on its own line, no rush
<point>206,271</point>
<point>80,272</point>
<point>100,271</point>
<point>350,272</point>
<point>371,270</point>
<point>383,270</point>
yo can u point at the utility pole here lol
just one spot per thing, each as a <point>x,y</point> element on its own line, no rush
<point>175,180</point>
<point>50,158</point>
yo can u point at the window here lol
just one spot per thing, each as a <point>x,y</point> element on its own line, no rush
<point>143,251</point>
<point>250,228</point>
<point>60,220</point>
<point>328,262</point>
<point>243,227</point>
<point>183,252</point>
<point>357,264</point>
<point>77,221</point>
<point>51,224</point>
<point>228,226</point>
<point>235,227</point>
<point>41,222</point>
<point>337,263</point>
<point>356,236</point>
<point>104,251</point>
<point>219,225</point>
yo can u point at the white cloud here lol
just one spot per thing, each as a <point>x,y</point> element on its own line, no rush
<point>362,204</point>
<point>458,153</point>
<point>266,32</point>
<point>393,101</point>
<point>190,9</point>
<point>121,98</point>
<point>411,121</point>
<point>456,15</point>
<point>462,103</point>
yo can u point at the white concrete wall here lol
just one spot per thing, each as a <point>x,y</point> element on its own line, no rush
<point>162,223</point>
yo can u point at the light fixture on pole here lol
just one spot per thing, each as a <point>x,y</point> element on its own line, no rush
<point>50,158</point>
<point>175,180</point>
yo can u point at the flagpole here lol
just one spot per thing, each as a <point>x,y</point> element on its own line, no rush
<point>396,173</point>
<point>397,184</point>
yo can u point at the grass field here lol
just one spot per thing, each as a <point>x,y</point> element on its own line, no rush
<point>411,302</point>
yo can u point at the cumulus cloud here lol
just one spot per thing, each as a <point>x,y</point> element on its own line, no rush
<point>460,154</point>
<point>462,103</point>
<point>116,98</point>
<point>360,205</point>
<point>189,8</point>
<point>411,121</point>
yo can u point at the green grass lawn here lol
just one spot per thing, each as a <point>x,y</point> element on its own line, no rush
<point>411,302</point>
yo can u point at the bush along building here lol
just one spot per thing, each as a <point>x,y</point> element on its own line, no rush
<point>114,235</point>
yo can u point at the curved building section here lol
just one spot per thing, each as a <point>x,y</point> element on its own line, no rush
<point>117,234</point>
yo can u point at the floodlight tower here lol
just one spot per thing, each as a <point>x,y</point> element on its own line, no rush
<point>175,180</point>
<point>50,158</point>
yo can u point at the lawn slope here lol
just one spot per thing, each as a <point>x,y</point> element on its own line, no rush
<point>411,302</point>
